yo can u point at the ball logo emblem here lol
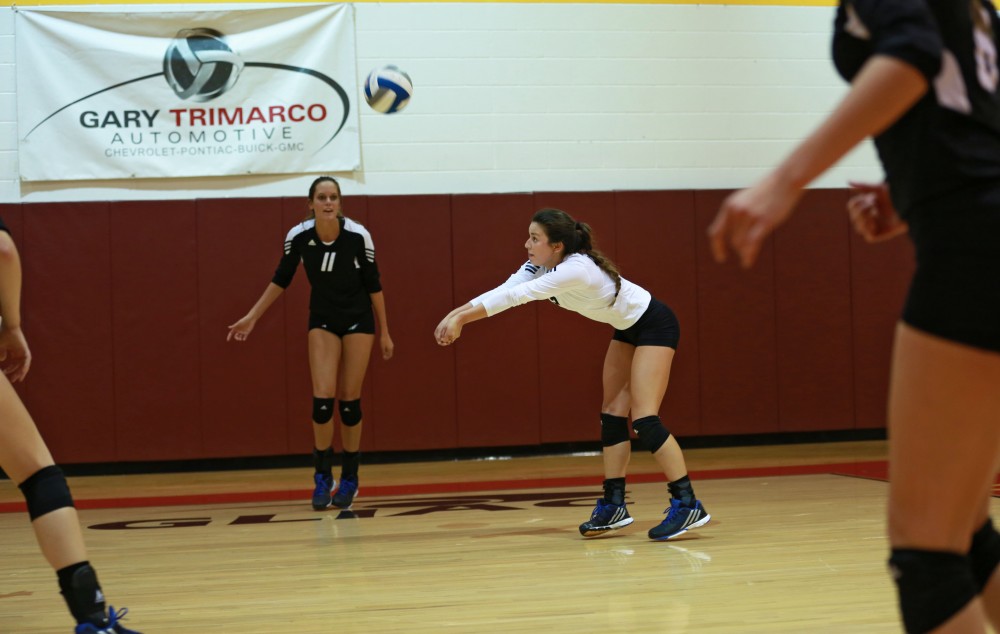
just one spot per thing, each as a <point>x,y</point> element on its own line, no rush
<point>200,66</point>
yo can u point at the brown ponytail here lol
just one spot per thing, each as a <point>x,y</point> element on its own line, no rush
<point>576,237</point>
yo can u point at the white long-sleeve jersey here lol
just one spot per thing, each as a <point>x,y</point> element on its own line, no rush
<point>575,284</point>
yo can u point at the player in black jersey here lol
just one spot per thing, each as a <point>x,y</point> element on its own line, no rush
<point>339,259</point>
<point>25,458</point>
<point>924,83</point>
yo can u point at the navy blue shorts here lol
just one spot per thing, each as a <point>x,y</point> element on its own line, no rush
<point>343,325</point>
<point>658,326</point>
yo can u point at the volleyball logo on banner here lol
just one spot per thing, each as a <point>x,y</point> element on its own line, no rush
<point>251,91</point>
<point>199,65</point>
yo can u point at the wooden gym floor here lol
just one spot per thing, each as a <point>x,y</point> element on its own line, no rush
<point>796,544</point>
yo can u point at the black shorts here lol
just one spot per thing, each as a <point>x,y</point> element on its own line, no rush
<point>343,325</point>
<point>955,292</point>
<point>658,326</point>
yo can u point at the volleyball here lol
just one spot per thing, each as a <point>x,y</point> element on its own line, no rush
<point>388,89</point>
<point>199,65</point>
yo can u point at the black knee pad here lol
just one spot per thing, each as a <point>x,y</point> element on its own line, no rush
<point>651,432</point>
<point>614,430</point>
<point>933,586</point>
<point>45,491</point>
<point>350,412</point>
<point>322,410</point>
<point>984,554</point>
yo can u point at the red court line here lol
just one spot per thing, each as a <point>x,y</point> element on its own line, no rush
<point>875,469</point>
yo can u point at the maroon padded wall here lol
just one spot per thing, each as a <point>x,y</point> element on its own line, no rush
<point>126,307</point>
<point>298,385</point>
<point>413,393</point>
<point>154,301</point>
<point>67,313</point>
<point>497,383</point>
<point>812,272</point>
<point>244,391</point>
<point>738,342</point>
<point>656,249</point>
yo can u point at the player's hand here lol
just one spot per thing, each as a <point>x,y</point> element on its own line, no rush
<point>388,347</point>
<point>748,216</point>
<point>872,213</point>
<point>241,329</point>
<point>439,331</point>
<point>15,357</point>
<point>452,330</point>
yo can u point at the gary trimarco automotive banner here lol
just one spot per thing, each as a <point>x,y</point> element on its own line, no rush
<point>103,95</point>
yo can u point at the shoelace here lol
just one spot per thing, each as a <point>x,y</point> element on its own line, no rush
<point>675,506</point>
<point>348,486</point>
<point>600,507</point>
<point>322,486</point>
<point>113,618</point>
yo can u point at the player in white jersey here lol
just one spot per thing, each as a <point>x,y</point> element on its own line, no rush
<point>25,458</point>
<point>339,259</point>
<point>564,268</point>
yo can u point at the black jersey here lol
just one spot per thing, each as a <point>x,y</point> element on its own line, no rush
<point>342,274</point>
<point>946,148</point>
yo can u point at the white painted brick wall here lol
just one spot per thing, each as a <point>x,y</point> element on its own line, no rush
<point>527,97</point>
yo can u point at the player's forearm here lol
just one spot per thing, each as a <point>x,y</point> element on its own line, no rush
<point>470,313</point>
<point>457,310</point>
<point>378,305</point>
<point>881,93</point>
<point>271,293</point>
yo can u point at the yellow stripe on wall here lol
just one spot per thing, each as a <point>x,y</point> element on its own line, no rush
<point>783,3</point>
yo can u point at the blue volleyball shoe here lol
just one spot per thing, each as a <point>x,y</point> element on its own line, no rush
<point>605,518</point>
<point>348,490</point>
<point>680,519</point>
<point>322,494</point>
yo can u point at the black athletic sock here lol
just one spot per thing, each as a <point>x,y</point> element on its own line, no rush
<point>614,491</point>
<point>349,468</point>
<point>79,587</point>
<point>323,461</point>
<point>681,489</point>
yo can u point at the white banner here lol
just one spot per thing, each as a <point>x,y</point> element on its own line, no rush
<point>105,95</point>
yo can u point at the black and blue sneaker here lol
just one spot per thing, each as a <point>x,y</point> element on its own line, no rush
<point>110,626</point>
<point>344,497</point>
<point>606,517</point>
<point>680,519</point>
<point>322,494</point>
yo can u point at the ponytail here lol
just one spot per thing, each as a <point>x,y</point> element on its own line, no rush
<point>576,237</point>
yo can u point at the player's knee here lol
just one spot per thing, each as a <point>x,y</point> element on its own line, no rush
<point>614,429</point>
<point>651,432</point>
<point>322,410</point>
<point>45,491</point>
<point>984,554</point>
<point>933,586</point>
<point>350,412</point>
